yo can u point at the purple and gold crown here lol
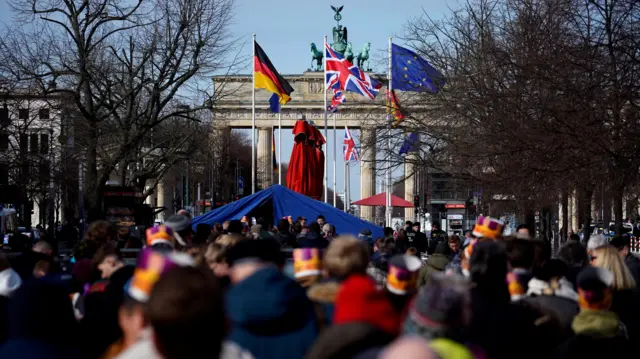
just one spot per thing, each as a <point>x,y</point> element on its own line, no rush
<point>487,227</point>
<point>159,234</point>
<point>150,268</point>
<point>403,274</point>
<point>307,262</point>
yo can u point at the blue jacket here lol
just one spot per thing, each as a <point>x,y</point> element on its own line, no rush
<point>271,316</point>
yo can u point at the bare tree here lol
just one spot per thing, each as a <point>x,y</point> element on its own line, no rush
<point>541,98</point>
<point>129,66</point>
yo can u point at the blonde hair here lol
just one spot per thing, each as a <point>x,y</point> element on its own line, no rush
<point>346,255</point>
<point>229,239</point>
<point>608,258</point>
<point>215,253</point>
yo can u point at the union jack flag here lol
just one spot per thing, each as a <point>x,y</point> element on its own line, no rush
<point>343,75</point>
<point>338,98</point>
<point>349,147</point>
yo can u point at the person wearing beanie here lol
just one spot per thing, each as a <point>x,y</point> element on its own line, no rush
<point>442,308</point>
<point>436,262</point>
<point>596,241</point>
<point>181,226</point>
<point>599,333</point>
<point>269,313</point>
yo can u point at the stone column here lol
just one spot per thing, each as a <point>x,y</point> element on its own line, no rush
<point>265,157</point>
<point>164,198</point>
<point>409,188</point>
<point>367,170</point>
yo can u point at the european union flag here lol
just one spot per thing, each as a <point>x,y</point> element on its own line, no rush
<point>410,144</point>
<point>274,103</point>
<point>410,72</point>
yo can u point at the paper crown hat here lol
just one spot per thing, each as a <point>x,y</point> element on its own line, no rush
<point>307,262</point>
<point>487,227</point>
<point>403,274</point>
<point>159,234</point>
<point>150,268</point>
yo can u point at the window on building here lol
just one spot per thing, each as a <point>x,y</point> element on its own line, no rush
<point>33,142</point>
<point>44,172</point>
<point>43,114</point>
<point>4,117</point>
<point>44,143</point>
<point>23,113</point>
<point>4,141</point>
<point>4,174</point>
<point>24,142</point>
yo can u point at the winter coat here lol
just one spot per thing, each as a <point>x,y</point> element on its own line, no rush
<point>271,316</point>
<point>599,334</point>
<point>313,240</point>
<point>436,262</point>
<point>323,295</point>
<point>625,305</point>
<point>556,299</point>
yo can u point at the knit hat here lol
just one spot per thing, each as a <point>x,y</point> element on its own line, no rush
<point>597,241</point>
<point>594,288</point>
<point>403,274</point>
<point>179,223</point>
<point>307,262</point>
<point>358,300</point>
<point>443,303</point>
<point>150,267</point>
<point>160,235</point>
<point>487,227</point>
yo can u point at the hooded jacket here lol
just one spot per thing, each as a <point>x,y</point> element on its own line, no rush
<point>271,316</point>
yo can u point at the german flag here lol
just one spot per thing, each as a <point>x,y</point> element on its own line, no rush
<point>266,77</point>
<point>398,114</point>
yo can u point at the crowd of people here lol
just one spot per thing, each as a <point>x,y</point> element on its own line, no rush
<point>229,291</point>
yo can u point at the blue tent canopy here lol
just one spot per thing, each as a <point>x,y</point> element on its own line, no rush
<point>278,202</point>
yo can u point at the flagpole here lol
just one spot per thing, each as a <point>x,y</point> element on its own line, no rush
<point>326,174</point>
<point>389,185</point>
<point>335,188</point>
<point>272,149</point>
<point>253,120</point>
<point>344,204</point>
<point>280,147</point>
<point>348,195</point>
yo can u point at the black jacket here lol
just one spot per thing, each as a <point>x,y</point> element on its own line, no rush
<point>313,240</point>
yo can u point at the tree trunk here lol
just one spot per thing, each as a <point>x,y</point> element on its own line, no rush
<point>565,215</point>
<point>94,189</point>
<point>617,209</point>
<point>585,209</point>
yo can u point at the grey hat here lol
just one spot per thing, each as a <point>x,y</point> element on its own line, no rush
<point>178,223</point>
<point>597,241</point>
